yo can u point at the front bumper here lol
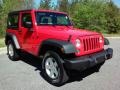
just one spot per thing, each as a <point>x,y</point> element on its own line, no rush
<point>84,62</point>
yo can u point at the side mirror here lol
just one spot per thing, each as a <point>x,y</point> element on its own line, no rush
<point>28,24</point>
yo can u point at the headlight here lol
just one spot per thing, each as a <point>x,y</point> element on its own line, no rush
<point>77,43</point>
<point>100,39</point>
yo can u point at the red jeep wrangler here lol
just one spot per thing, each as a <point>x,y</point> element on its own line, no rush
<point>51,35</point>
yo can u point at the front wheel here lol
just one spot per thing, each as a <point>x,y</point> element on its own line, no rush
<point>53,69</point>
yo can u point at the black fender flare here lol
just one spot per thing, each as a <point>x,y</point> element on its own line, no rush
<point>13,38</point>
<point>106,41</point>
<point>65,46</point>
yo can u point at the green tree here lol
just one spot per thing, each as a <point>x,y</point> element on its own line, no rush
<point>11,5</point>
<point>113,18</point>
<point>27,4</point>
<point>63,5</point>
<point>45,4</point>
<point>99,15</point>
<point>67,5</point>
<point>6,6</point>
<point>90,15</point>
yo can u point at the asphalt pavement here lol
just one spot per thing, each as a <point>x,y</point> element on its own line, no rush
<point>25,74</point>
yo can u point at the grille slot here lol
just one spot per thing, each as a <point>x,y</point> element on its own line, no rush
<point>91,44</point>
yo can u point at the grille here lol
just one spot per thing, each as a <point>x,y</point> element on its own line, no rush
<point>91,44</point>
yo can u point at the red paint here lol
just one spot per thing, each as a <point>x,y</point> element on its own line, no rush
<point>31,40</point>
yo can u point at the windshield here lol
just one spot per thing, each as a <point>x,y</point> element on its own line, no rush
<point>50,18</point>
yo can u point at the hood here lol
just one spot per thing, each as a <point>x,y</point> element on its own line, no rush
<point>80,32</point>
<point>64,31</point>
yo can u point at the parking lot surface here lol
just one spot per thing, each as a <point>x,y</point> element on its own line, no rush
<point>26,74</point>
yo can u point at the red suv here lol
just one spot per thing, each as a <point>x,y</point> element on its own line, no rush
<point>51,35</point>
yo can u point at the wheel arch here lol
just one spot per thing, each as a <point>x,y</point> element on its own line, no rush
<point>13,38</point>
<point>106,41</point>
<point>59,46</point>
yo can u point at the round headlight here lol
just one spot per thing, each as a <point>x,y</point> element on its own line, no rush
<point>77,43</point>
<point>100,40</point>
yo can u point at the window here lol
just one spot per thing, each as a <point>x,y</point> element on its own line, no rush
<point>26,17</point>
<point>46,20</point>
<point>13,20</point>
<point>62,20</point>
<point>50,18</point>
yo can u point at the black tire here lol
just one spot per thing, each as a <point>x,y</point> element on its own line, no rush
<point>61,77</point>
<point>12,55</point>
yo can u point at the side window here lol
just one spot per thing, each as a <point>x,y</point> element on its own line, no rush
<point>13,21</point>
<point>26,17</point>
<point>46,20</point>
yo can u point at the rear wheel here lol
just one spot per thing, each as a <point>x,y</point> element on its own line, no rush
<point>53,69</point>
<point>12,51</point>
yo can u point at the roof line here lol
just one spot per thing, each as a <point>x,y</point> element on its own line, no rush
<point>41,10</point>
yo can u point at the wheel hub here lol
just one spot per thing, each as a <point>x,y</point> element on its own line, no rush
<point>51,68</point>
<point>10,50</point>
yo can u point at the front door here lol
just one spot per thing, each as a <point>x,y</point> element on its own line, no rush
<point>25,32</point>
